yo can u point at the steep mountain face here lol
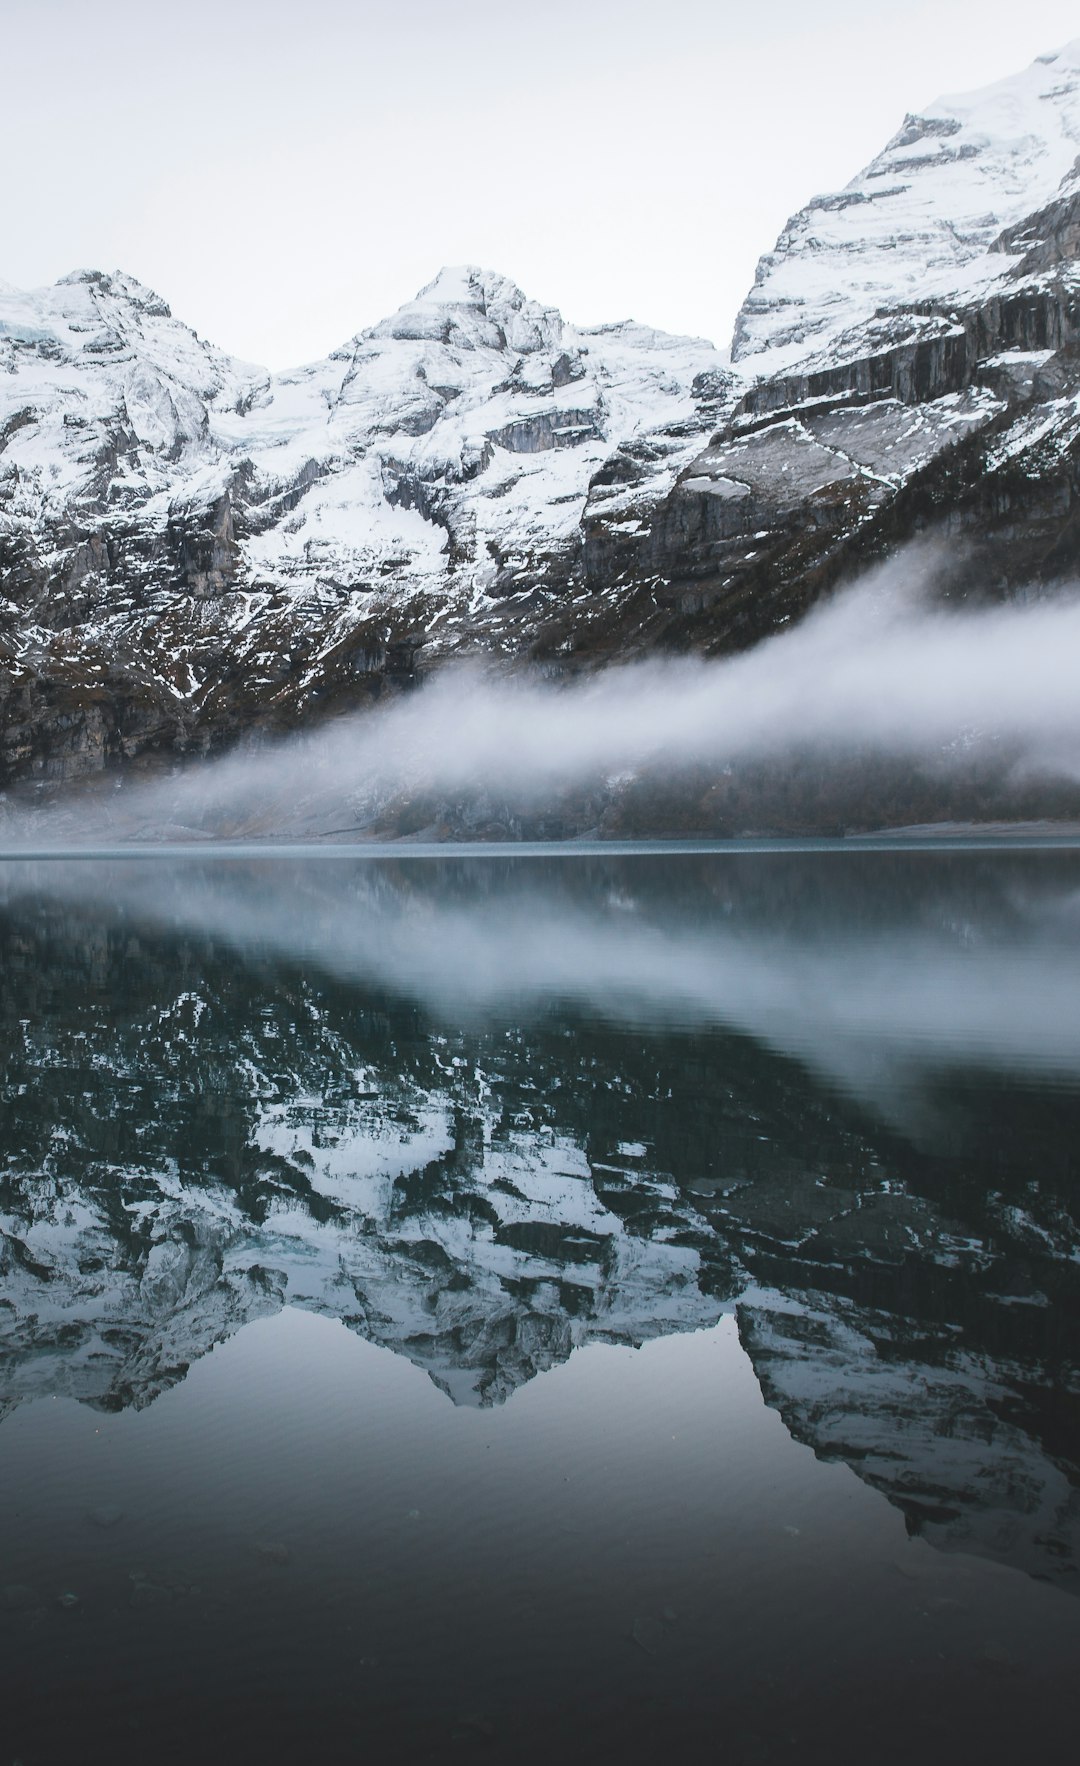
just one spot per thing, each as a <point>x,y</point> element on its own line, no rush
<point>191,549</point>
<point>907,361</point>
<point>922,224</point>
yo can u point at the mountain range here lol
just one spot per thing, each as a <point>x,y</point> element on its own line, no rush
<point>193,550</point>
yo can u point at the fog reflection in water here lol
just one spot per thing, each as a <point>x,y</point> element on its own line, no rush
<point>485,1113</point>
<point>817,955</point>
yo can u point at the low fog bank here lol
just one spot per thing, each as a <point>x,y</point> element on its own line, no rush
<point>879,709</point>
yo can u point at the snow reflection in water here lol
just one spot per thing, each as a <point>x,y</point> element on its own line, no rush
<point>802,1124</point>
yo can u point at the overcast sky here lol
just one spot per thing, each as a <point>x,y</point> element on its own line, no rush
<point>285,172</point>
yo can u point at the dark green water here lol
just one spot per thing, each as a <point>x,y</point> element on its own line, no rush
<point>516,1309</point>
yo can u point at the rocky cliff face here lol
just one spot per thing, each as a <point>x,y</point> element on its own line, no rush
<point>192,550</point>
<point>906,361</point>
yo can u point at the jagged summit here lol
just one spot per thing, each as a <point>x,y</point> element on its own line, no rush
<point>920,223</point>
<point>470,308</point>
<point>446,451</point>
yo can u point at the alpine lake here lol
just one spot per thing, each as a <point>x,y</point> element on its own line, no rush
<point>596,1306</point>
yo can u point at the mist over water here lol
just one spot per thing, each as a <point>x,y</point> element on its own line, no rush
<point>878,676</point>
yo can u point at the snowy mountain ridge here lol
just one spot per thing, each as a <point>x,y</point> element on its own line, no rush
<point>170,518</point>
<point>108,399</point>
<point>923,222</point>
<point>194,551</point>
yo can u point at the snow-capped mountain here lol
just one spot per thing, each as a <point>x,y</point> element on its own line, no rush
<point>192,550</point>
<point>923,224</point>
<point>907,364</point>
<point>177,528</point>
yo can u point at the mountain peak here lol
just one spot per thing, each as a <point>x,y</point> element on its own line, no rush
<point>919,222</point>
<point>457,285</point>
<point>1067,56</point>
<point>473,308</point>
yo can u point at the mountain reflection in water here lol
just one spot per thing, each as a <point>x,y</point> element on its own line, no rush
<point>487,1111</point>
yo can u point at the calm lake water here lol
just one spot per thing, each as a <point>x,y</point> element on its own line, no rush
<point>524,1309</point>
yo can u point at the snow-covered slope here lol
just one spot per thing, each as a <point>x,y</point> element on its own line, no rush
<point>206,541</point>
<point>922,222</point>
<point>909,364</point>
<point>455,439</point>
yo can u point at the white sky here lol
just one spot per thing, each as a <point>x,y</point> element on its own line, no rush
<point>285,172</point>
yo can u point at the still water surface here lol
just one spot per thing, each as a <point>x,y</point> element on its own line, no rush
<point>519,1310</point>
